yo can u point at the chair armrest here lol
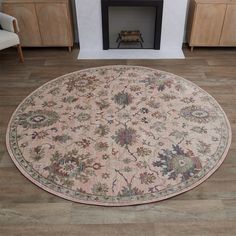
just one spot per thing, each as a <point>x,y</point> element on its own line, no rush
<point>9,23</point>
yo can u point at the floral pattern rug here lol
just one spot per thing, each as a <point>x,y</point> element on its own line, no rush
<point>118,135</point>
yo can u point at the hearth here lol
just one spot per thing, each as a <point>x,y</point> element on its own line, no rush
<point>139,20</point>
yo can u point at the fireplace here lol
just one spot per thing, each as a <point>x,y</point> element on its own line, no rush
<point>131,24</point>
<point>90,28</point>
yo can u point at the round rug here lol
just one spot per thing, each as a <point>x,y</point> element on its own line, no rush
<point>118,135</point>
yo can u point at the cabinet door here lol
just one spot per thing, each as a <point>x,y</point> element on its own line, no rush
<point>27,20</point>
<point>54,24</point>
<point>208,23</point>
<point>228,37</point>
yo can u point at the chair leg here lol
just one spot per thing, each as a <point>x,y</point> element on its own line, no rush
<point>20,53</point>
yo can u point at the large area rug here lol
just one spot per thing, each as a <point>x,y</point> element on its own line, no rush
<point>118,135</point>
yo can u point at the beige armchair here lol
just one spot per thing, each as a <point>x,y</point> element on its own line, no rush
<point>9,34</point>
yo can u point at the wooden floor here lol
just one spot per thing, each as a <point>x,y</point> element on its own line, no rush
<point>25,209</point>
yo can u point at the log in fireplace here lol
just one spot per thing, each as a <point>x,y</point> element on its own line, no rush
<point>157,6</point>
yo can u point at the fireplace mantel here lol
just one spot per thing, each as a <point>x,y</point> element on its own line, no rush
<point>89,16</point>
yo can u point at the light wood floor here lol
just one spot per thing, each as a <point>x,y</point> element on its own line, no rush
<point>25,209</point>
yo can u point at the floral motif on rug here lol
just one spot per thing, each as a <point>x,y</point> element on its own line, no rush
<point>118,135</point>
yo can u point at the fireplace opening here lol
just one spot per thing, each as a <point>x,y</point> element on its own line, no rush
<point>132,24</point>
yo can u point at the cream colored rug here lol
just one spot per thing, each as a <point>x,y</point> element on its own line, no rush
<point>118,135</point>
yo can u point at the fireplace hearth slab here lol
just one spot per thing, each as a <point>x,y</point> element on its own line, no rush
<point>131,54</point>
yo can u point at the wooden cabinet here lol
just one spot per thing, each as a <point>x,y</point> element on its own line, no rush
<point>212,23</point>
<point>58,31</point>
<point>42,22</point>
<point>228,37</point>
<point>29,30</point>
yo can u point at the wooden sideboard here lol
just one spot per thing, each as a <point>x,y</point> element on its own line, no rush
<point>212,23</point>
<point>43,23</point>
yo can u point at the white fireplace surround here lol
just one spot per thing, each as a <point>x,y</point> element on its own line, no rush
<point>89,20</point>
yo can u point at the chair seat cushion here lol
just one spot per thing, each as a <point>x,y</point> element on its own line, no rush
<point>8,39</point>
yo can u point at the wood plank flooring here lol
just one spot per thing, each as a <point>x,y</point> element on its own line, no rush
<point>25,209</point>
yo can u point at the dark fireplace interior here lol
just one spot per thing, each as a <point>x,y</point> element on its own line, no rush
<point>132,24</point>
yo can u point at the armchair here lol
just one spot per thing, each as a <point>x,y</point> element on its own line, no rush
<point>9,34</point>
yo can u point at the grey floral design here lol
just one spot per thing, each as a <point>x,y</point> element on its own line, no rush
<point>69,99</point>
<point>126,136</point>
<point>168,97</point>
<point>102,130</point>
<point>156,81</point>
<point>204,148</point>
<point>177,162</point>
<point>123,99</point>
<point>38,119</point>
<point>81,83</point>
<point>83,117</point>
<point>103,104</point>
<point>100,189</point>
<point>129,191</point>
<point>39,135</point>
<point>142,151</point>
<point>49,104</point>
<point>178,134</point>
<point>61,138</point>
<point>101,146</point>
<point>196,114</point>
<point>199,129</point>
<point>158,126</point>
<point>72,164</point>
<point>37,153</point>
<point>153,103</point>
<point>147,178</point>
